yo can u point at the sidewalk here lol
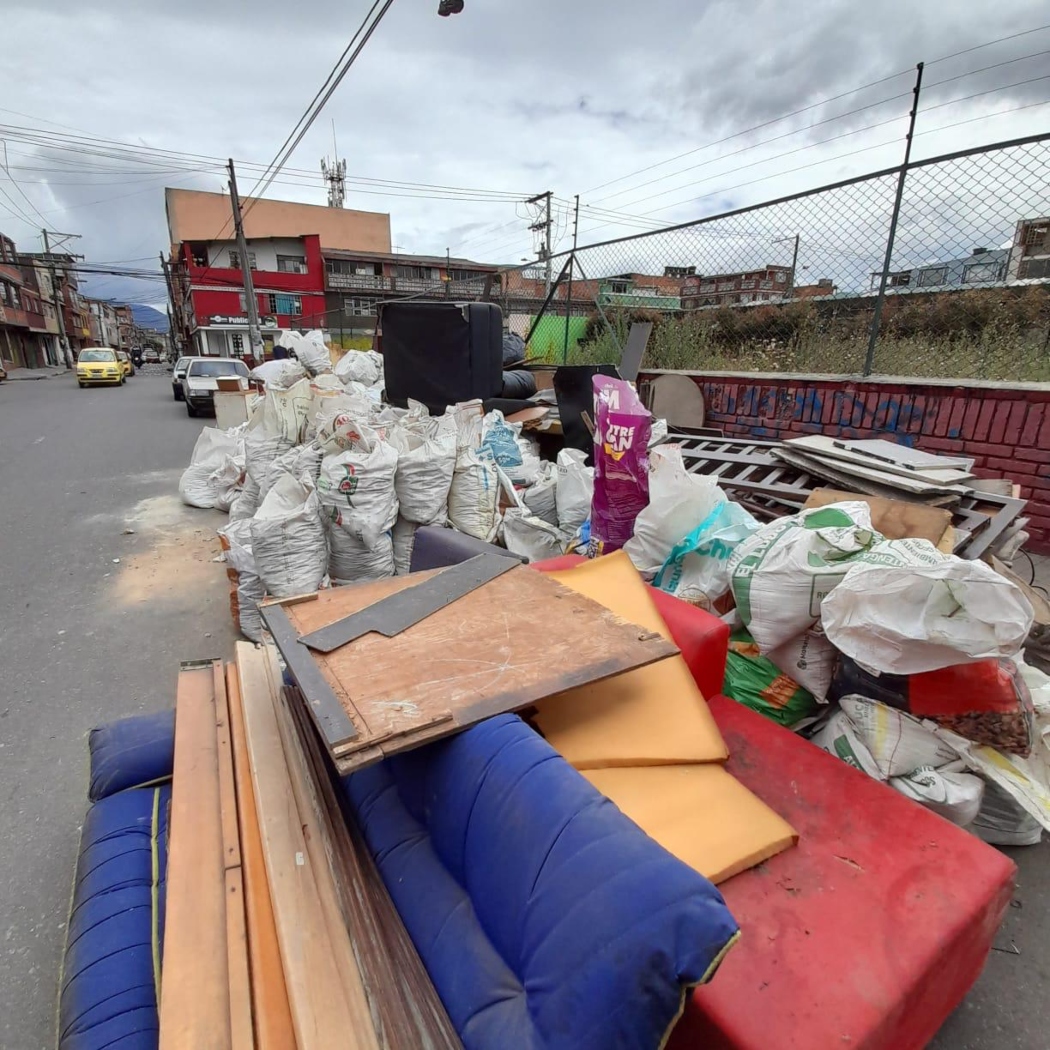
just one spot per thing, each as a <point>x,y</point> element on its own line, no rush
<point>15,374</point>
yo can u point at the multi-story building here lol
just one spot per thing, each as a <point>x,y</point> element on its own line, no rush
<point>285,241</point>
<point>355,282</point>
<point>28,322</point>
<point>1030,253</point>
<point>981,266</point>
<point>766,284</point>
<point>102,320</point>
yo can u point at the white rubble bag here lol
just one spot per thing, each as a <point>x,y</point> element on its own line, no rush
<point>808,660</point>
<point>226,481</point>
<point>403,538</point>
<point>781,573</point>
<point>541,497</point>
<point>210,456</point>
<point>575,489</point>
<point>280,373</point>
<point>278,422</point>
<point>904,608</point>
<point>340,421</point>
<point>360,366</point>
<point>356,488</point>
<point>426,461</point>
<point>473,498</point>
<point>250,588</point>
<point>288,538</point>
<point>247,500</point>
<point>531,537</point>
<point>351,561</point>
<point>301,459</point>
<point>313,353</point>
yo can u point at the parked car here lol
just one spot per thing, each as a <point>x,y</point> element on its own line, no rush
<point>150,355</point>
<point>178,373</point>
<point>126,363</point>
<point>202,380</point>
<point>99,364</point>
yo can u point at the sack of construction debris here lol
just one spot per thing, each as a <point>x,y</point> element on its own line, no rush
<point>622,425</point>
<point>894,747</point>
<point>473,498</point>
<point>541,497</point>
<point>278,423</point>
<point>426,460</point>
<point>810,659</point>
<point>301,459</point>
<point>755,681</point>
<point>288,538</point>
<point>514,455</point>
<point>575,489</point>
<point>313,353</point>
<point>215,470</point>
<point>904,607</point>
<point>403,541</point>
<point>247,500</point>
<point>248,589</point>
<point>781,573</point>
<point>521,532</point>
<point>360,366</point>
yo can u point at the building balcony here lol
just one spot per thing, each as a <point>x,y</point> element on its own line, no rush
<point>358,282</point>
<point>13,317</point>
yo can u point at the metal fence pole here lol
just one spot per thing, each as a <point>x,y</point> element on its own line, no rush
<point>568,297</point>
<point>873,335</point>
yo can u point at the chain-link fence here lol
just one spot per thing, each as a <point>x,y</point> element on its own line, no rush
<point>824,281</point>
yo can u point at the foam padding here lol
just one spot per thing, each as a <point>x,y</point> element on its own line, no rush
<point>131,752</point>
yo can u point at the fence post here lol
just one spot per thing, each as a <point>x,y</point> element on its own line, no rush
<point>873,335</point>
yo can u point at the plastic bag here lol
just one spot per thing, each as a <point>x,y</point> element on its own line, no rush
<point>313,353</point>
<point>301,459</point>
<point>279,422</point>
<point>950,791</point>
<point>905,607</point>
<point>755,681</point>
<point>473,498</point>
<point>810,659</point>
<point>541,498</point>
<point>248,590</point>
<point>356,488</point>
<point>288,538</point>
<point>360,366</point>
<point>352,561</point>
<point>404,541</point>
<point>226,480</point>
<point>426,462</point>
<point>531,537</point>
<point>622,426</point>
<point>782,572</point>
<point>211,455</point>
<point>247,500</point>
<point>514,455</point>
<point>575,489</point>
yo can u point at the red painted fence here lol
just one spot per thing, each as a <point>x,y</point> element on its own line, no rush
<point>1005,428</point>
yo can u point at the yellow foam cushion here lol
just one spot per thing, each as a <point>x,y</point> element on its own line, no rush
<point>649,716</point>
<point>700,813</point>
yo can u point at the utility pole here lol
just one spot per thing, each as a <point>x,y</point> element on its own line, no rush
<point>250,302</point>
<point>794,261</point>
<point>544,223</point>
<point>172,305</point>
<point>58,298</point>
<point>572,267</point>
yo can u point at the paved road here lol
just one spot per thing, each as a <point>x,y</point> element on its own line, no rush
<point>85,638</point>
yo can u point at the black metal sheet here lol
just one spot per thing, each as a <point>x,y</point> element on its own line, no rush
<point>396,613</point>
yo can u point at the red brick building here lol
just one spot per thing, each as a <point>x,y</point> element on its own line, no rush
<point>728,289</point>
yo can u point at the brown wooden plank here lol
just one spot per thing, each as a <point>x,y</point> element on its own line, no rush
<point>194,1002</point>
<point>272,1015</point>
<point>325,1004</point>
<point>407,1009</point>
<point>231,837</point>
<point>503,647</point>
<point>242,1036</point>
<point>896,519</point>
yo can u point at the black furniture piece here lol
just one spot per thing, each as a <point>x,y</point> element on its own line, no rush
<point>441,352</point>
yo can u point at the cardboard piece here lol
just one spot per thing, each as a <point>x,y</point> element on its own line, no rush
<point>700,813</point>
<point>896,519</point>
<point>649,716</point>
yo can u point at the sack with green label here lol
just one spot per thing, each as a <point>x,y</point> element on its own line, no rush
<point>755,681</point>
<point>781,573</point>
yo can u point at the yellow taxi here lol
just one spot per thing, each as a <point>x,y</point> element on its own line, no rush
<point>126,364</point>
<point>99,364</point>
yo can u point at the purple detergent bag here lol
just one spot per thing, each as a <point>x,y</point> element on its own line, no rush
<point>622,426</point>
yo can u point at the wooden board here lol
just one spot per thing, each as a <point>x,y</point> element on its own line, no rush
<point>829,448</point>
<point>272,1016</point>
<point>242,1035</point>
<point>324,1010</point>
<point>194,1002</point>
<point>503,647</point>
<point>896,519</point>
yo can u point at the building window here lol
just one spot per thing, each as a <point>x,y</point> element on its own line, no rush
<point>1034,268</point>
<point>291,264</point>
<point>620,287</point>
<point>897,280</point>
<point>932,276</point>
<point>358,308</point>
<point>977,273</point>
<point>1036,233</point>
<point>418,273</point>
<point>467,275</point>
<point>781,277</point>
<point>278,303</point>
<point>237,341</point>
<point>235,260</point>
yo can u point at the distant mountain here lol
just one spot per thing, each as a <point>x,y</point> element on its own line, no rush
<point>147,317</point>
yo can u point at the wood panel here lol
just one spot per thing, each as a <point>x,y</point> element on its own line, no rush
<point>326,1011</point>
<point>272,1015</point>
<point>518,639</point>
<point>896,519</point>
<point>242,1036</point>
<point>194,1002</point>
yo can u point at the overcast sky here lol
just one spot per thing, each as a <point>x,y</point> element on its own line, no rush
<point>511,95</point>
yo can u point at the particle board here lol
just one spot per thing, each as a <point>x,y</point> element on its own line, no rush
<point>325,1012</point>
<point>651,715</point>
<point>896,519</point>
<point>818,445</point>
<point>272,1015</point>
<point>194,1001</point>
<point>520,638</point>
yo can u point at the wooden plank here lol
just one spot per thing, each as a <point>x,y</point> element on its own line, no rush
<point>242,1036</point>
<point>325,1011</point>
<point>194,1002</point>
<point>520,638</point>
<point>896,519</point>
<point>272,1015</point>
<point>231,837</point>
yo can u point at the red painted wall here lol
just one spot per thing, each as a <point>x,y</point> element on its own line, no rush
<point>1006,429</point>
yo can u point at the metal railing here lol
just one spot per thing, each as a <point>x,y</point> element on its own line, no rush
<point>825,281</point>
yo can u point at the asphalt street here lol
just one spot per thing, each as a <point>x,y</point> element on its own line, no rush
<point>94,620</point>
<point>107,581</point>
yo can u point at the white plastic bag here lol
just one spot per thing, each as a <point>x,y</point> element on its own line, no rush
<point>210,453</point>
<point>352,561</point>
<point>809,660</point>
<point>278,422</point>
<point>781,573</point>
<point>473,498</point>
<point>250,589</point>
<point>313,353</point>
<point>404,540</point>
<point>356,488</point>
<point>575,489</point>
<point>949,791</point>
<point>301,459</point>
<point>288,538</point>
<point>531,537</point>
<point>226,480</point>
<point>247,500</point>
<point>514,455</point>
<point>904,608</point>
<point>360,366</point>
<point>541,497</point>
<point>426,462</point>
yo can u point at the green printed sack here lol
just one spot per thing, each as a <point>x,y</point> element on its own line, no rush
<point>756,682</point>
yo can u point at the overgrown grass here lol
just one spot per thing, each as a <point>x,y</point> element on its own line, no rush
<point>976,334</point>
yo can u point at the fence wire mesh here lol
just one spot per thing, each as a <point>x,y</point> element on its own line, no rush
<point>793,285</point>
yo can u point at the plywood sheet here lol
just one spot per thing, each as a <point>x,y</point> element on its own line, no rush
<point>651,715</point>
<point>505,646</point>
<point>896,519</point>
<point>700,813</point>
<point>194,1002</point>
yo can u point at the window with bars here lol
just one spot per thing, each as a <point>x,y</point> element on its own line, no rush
<point>237,342</point>
<point>280,303</point>
<point>235,260</point>
<point>358,307</point>
<point>291,264</point>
